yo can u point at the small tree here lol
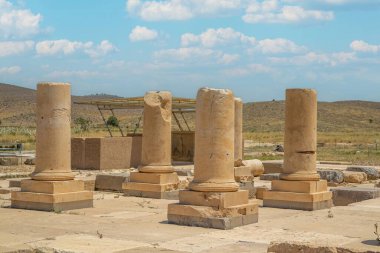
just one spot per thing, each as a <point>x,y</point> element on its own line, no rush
<point>84,124</point>
<point>112,121</point>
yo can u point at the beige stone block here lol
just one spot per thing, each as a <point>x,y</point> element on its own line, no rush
<point>354,177</point>
<point>260,192</point>
<point>51,187</point>
<point>297,197</point>
<point>207,211</point>
<point>154,178</point>
<point>51,198</point>
<point>214,199</point>
<point>149,187</point>
<point>299,186</point>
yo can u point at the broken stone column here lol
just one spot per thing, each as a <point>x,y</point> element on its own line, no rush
<point>156,177</point>
<point>300,186</point>
<point>52,187</point>
<point>214,199</point>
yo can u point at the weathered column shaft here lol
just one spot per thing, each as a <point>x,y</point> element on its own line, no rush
<point>300,135</point>
<point>53,140</point>
<point>239,145</point>
<point>156,142</point>
<point>214,141</point>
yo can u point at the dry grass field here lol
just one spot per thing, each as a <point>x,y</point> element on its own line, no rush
<point>347,130</point>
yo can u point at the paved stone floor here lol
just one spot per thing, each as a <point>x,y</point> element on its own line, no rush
<point>129,224</point>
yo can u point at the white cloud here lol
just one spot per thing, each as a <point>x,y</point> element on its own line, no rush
<point>279,45</point>
<point>14,47</point>
<point>213,37</point>
<point>83,74</point>
<point>332,59</point>
<point>17,22</point>
<point>247,70</point>
<point>52,47</point>
<point>105,47</point>
<point>141,33</point>
<point>362,46</point>
<point>272,11</point>
<point>179,9</point>
<point>228,58</point>
<point>195,55</point>
<point>10,70</point>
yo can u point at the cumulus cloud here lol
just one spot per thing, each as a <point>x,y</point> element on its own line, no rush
<point>141,33</point>
<point>178,9</point>
<point>14,47</point>
<point>249,69</point>
<point>17,22</point>
<point>228,36</point>
<point>213,37</point>
<point>362,46</point>
<point>195,54</point>
<point>279,45</point>
<point>273,11</point>
<point>10,70</point>
<point>52,47</point>
<point>332,59</point>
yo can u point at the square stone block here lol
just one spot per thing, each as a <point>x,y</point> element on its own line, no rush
<point>52,202</point>
<point>51,187</point>
<point>212,217</point>
<point>243,174</point>
<point>213,199</point>
<point>299,186</point>
<point>146,190</point>
<point>111,182</point>
<point>299,201</point>
<point>154,178</point>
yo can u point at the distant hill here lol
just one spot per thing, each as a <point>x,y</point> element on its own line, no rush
<point>17,107</point>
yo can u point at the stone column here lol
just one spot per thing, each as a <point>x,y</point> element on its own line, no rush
<point>300,142</point>
<point>214,199</point>
<point>239,145</point>
<point>300,186</point>
<point>156,177</point>
<point>52,187</point>
<point>156,142</point>
<point>53,143</point>
<point>214,141</point>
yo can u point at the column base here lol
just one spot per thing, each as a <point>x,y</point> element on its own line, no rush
<point>152,185</point>
<point>52,196</point>
<point>156,169</point>
<point>52,176</point>
<point>213,187</point>
<point>299,195</point>
<point>219,210</point>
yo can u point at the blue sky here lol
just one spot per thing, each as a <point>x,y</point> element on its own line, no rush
<point>256,48</point>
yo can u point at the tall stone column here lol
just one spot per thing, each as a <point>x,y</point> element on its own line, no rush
<point>214,199</point>
<point>239,145</point>
<point>214,141</point>
<point>52,187</point>
<point>300,143</point>
<point>156,177</point>
<point>53,142</point>
<point>156,142</point>
<point>300,186</point>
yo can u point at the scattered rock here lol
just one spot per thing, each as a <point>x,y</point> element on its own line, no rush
<point>335,176</point>
<point>279,148</point>
<point>354,177</point>
<point>372,173</point>
<point>270,176</point>
<point>257,167</point>
<point>30,161</point>
<point>343,196</point>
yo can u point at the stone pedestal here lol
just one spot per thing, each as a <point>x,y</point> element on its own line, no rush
<point>52,187</point>
<point>156,177</point>
<point>214,200</point>
<point>300,186</point>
